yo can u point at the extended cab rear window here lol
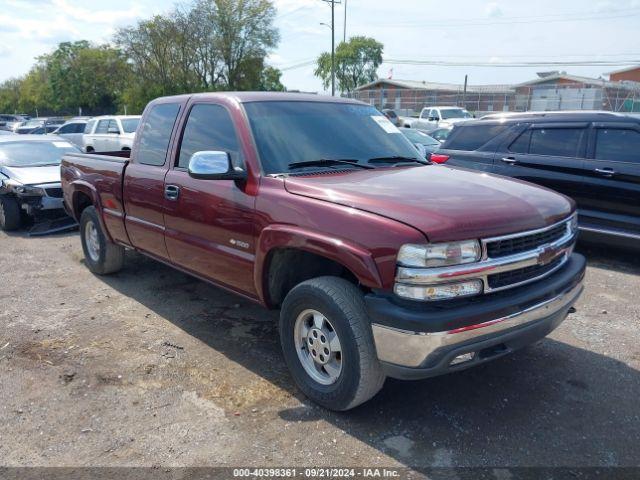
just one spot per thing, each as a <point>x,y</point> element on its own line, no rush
<point>472,137</point>
<point>155,133</point>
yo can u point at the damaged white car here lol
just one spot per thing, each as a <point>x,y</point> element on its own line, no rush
<point>30,179</point>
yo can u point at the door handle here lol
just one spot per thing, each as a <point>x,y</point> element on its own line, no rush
<point>509,160</point>
<point>171,192</point>
<point>605,172</point>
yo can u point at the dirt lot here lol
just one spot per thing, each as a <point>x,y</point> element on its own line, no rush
<point>151,367</point>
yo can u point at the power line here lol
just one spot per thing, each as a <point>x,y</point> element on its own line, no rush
<point>435,23</point>
<point>436,63</point>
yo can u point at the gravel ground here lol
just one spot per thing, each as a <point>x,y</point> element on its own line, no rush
<point>151,367</point>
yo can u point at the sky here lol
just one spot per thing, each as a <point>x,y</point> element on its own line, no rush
<point>461,31</point>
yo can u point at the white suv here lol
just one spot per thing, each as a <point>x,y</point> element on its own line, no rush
<point>110,134</point>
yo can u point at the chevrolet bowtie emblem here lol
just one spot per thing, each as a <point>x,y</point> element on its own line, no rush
<point>547,255</point>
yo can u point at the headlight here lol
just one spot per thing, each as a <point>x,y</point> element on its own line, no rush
<point>439,254</point>
<point>26,190</point>
<point>438,292</point>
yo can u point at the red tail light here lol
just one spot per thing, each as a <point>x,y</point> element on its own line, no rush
<point>439,158</point>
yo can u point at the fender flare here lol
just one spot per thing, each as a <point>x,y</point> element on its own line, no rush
<point>355,258</point>
<point>80,186</point>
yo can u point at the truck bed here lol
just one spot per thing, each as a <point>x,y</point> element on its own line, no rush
<point>97,177</point>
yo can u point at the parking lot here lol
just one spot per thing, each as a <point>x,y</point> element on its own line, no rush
<point>151,367</point>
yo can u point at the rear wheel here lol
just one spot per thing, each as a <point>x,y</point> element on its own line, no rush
<point>328,345</point>
<point>10,218</point>
<point>101,256</point>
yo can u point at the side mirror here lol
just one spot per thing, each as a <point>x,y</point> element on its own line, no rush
<point>214,165</point>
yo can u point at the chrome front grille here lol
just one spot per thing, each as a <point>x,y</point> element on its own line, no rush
<point>517,277</point>
<point>535,254</point>
<point>545,251</point>
<point>519,244</point>
<point>55,192</point>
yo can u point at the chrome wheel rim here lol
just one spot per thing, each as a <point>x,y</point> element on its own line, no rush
<point>92,241</point>
<point>318,347</point>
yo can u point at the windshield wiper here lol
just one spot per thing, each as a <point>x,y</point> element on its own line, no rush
<point>327,162</point>
<point>397,159</point>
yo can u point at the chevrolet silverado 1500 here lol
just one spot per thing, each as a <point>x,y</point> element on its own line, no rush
<point>381,264</point>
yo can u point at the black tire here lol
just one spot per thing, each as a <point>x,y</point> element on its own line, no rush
<point>110,257</point>
<point>342,303</point>
<point>89,149</point>
<point>10,218</point>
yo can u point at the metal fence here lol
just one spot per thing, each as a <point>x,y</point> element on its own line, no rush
<point>410,102</point>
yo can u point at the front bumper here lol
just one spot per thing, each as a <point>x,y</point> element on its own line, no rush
<point>423,342</point>
<point>49,199</point>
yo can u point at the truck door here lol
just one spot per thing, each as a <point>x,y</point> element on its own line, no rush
<point>210,223</point>
<point>144,180</point>
<point>612,176</point>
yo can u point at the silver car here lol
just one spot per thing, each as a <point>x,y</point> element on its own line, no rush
<point>30,177</point>
<point>72,131</point>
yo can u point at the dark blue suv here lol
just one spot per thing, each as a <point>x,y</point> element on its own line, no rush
<point>592,157</point>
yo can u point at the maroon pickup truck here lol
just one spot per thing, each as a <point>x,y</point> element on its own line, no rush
<point>381,263</point>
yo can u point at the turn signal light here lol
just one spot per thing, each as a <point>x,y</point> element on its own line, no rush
<point>439,158</point>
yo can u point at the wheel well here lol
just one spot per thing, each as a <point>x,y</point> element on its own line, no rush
<point>126,149</point>
<point>89,149</point>
<point>290,267</point>
<point>80,202</point>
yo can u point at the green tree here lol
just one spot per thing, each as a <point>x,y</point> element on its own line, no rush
<point>244,34</point>
<point>356,63</point>
<point>84,76</point>
<point>270,80</point>
<point>10,95</point>
<point>209,45</point>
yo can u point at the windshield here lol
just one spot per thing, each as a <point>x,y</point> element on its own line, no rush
<point>34,123</point>
<point>419,137</point>
<point>34,154</point>
<point>455,113</point>
<point>288,132</point>
<point>129,125</point>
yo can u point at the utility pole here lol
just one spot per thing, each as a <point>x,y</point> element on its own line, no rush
<point>344,36</point>
<point>464,91</point>
<point>333,45</point>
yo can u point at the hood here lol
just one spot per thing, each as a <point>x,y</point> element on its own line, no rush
<point>444,203</point>
<point>453,121</point>
<point>33,175</point>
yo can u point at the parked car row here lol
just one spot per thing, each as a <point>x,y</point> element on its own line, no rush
<point>98,134</point>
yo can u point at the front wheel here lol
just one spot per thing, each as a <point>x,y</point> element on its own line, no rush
<point>328,345</point>
<point>100,255</point>
<point>10,218</point>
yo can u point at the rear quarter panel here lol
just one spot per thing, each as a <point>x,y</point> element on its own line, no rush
<point>98,177</point>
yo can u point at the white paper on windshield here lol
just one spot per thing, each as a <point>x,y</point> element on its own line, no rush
<point>62,144</point>
<point>385,124</point>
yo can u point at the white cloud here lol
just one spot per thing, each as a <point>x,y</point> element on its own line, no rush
<point>103,17</point>
<point>493,10</point>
